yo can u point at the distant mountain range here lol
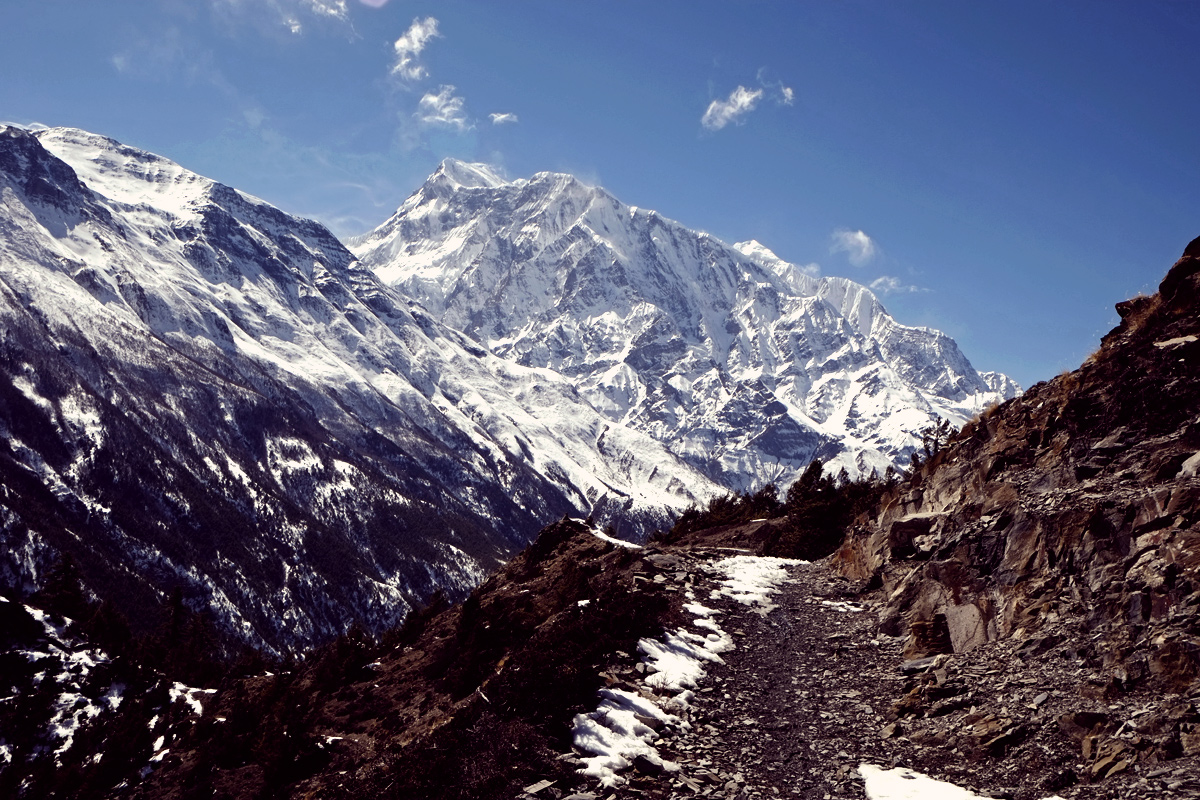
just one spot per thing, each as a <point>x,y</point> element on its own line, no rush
<point>202,394</point>
<point>200,391</point>
<point>744,365</point>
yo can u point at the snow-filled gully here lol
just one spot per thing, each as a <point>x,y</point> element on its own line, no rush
<point>620,738</point>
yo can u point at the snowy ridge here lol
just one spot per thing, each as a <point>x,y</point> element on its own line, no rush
<point>745,365</point>
<point>218,394</point>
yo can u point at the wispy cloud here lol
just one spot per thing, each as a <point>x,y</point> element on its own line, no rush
<point>335,9</point>
<point>437,108</point>
<point>502,119</point>
<point>274,14</point>
<point>443,107</point>
<point>741,101</point>
<point>408,66</point>
<point>172,55</point>
<point>775,89</point>
<point>168,55</point>
<point>28,126</point>
<point>859,248</point>
<point>887,284</point>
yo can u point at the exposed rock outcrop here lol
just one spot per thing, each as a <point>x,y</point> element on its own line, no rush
<point>1070,513</point>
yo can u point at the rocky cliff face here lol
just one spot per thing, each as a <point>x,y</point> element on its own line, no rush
<point>744,365</point>
<point>1067,520</point>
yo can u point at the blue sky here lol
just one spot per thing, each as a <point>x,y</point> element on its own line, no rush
<point>1005,172</point>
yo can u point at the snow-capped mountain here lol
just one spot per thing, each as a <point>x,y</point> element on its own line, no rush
<point>743,364</point>
<point>201,392</point>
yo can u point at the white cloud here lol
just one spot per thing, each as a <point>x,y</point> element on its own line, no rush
<point>443,108</point>
<point>334,9</point>
<point>271,14</point>
<point>859,248</point>
<point>720,113</point>
<point>27,126</point>
<point>887,284</point>
<point>502,119</point>
<point>781,94</point>
<point>408,49</point>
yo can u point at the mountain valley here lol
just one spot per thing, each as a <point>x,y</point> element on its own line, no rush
<point>207,395</point>
<point>532,494</point>
<point>204,393</point>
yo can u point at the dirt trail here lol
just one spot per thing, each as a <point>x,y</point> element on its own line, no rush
<point>794,708</point>
<point>812,690</point>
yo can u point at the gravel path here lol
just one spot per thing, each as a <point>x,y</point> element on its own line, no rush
<point>793,711</point>
<point>811,691</point>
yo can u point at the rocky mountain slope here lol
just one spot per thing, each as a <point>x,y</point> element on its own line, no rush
<point>1065,526</point>
<point>1018,617</point>
<point>1084,494</point>
<point>200,392</point>
<point>744,364</point>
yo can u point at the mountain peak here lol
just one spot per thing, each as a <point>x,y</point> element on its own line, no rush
<point>756,249</point>
<point>746,365</point>
<point>466,175</point>
<point>800,278</point>
<point>126,174</point>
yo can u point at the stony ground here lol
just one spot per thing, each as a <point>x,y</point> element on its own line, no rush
<point>812,691</point>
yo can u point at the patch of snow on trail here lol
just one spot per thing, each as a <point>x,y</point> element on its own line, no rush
<point>679,662</point>
<point>843,606</point>
<point>699,610</point>
<point>905,784</point>
<point>616,733</point>
<point>751,580</point>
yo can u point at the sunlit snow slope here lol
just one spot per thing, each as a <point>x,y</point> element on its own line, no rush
<point>743,364</point>
<point>198,391</point>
